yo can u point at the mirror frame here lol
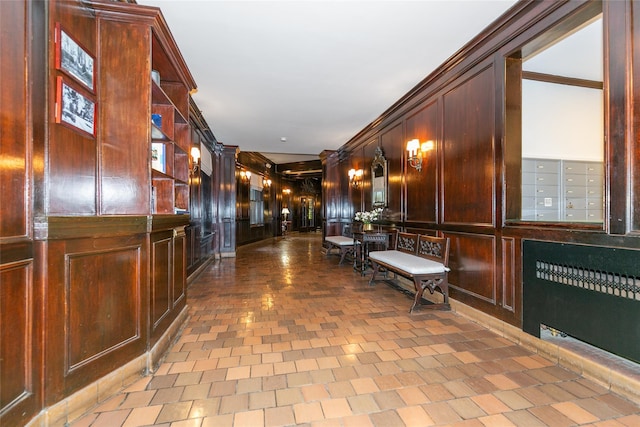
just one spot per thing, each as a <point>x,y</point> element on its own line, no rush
<point>379,183</point>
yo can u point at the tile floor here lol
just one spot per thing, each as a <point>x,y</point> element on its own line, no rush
<point>282,335</point>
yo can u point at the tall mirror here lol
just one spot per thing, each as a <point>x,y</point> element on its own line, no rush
<point>379,180</point>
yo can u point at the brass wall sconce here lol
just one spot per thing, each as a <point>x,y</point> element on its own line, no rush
<point>355,177</point>
<point>286,191</point>
<point>266,182</point>
<point>195,159</point>
<point>416,150</point>
<point>245,175</point>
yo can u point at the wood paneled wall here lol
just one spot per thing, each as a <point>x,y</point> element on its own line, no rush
<point>22,113</point>
<point>469,185</point>
<point>90,279</point>
<point>205,226</point>
<point>96,301</point>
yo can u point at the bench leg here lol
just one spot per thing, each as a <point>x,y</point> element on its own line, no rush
<point>344,252</point>
<point>419,292</point>
<point>421,284</point>
<point>375,272</point>
<point>329,249</point>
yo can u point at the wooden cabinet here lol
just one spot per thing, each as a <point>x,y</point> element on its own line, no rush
<point>168,290</point>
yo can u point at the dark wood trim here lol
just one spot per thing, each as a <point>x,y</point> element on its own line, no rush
<point>618,45</point>
<point>71,227</point>
<point>165,222</point>
<point>562,80</point>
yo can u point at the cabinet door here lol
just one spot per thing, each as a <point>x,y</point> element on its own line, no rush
<point>161,275</point>
<point>179,269</point>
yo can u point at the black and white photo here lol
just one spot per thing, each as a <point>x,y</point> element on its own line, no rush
<point>73,59</point>
<point>75,109</point>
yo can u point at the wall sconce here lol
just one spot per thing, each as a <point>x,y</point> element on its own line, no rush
<point>415,150</point>
<point>355,177</point>
<point>245,175</point>
<point>266,182</point>
<point>286,191</point>
<point>195,159</point>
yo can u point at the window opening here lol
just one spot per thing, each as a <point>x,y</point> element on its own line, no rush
<point>555,108</point>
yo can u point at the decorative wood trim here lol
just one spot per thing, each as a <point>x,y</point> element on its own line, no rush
<point>562,80</point>
<point>166,222</point>
<point>73,227</point>
<point>508,269</point>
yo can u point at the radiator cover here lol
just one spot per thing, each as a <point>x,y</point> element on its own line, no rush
<point>591,293</point>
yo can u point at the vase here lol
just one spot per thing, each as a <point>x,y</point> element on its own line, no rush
<point>367,226</point>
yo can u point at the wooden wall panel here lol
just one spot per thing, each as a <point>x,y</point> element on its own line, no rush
<point>179,291</point>
<point>14,45</point>
<point>227,200</point>
<point>102,303</point>
<point>73,157</point>
<point>632,35</point>
<point>161,276</point>
<point>96,305</point>
<point>18,363</point>
<point>72,178</point>
<point>23,70</point>
<point>468,152</point>
<point>346,205</point>
<point>330,187</point>
<point>124,87</point>
<point>472,261</point>
<point>420,195</point>
<point>620,128</point>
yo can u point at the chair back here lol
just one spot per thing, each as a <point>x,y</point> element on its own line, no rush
<point>434,248</point>
<point>407,242</point>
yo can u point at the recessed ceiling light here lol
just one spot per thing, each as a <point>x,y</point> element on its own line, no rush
<point>283,139</point>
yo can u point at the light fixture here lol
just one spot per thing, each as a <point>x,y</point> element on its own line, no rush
<point>415,150</point>
<point>355,177</point>
<point>286,191</point>
<point>285,212</point>
<point>245,175</point>
<point>266,182</point>
<point>195,159</point>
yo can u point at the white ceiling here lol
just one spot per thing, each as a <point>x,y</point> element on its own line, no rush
<point>313,72</point>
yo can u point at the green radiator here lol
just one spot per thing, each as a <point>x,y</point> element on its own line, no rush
<point>591,293</point>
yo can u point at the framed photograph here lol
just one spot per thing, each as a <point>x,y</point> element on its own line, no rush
<point>75,110</point>
<point>73,59</point>
<point>158,157</point>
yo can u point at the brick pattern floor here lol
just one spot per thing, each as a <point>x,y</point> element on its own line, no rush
<point>282,335</point>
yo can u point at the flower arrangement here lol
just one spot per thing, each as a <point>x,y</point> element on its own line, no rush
<point>368,217</point>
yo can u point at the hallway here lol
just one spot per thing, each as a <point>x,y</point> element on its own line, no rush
<point>282,335</point>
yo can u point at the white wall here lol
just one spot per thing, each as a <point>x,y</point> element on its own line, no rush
<point>562,122</point>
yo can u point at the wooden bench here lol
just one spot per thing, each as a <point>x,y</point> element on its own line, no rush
<point>421,258</point>
<point>344,243</point>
